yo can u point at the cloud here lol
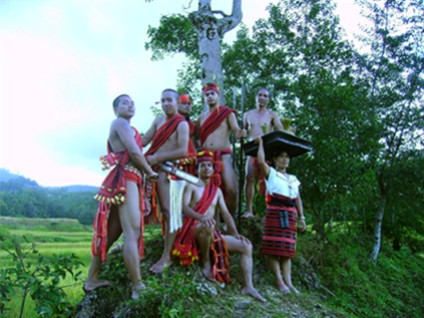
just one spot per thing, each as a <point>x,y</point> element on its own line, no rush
<point>63,62</point>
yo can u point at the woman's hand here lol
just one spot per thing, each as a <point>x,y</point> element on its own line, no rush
<point>302,225</point>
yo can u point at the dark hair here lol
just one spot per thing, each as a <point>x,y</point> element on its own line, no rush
<point>118,99</point>
<point>275,154</point>
<point>175,93</point>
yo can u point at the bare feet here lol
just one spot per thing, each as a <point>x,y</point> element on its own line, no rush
<point>284,289</point>
<point>207,272</point>
<point>160,266</point>
<point>90,286</point>
<point>294,290</point>
<point>135,294</point>
<point>248,214</point>
<point>253,293</point>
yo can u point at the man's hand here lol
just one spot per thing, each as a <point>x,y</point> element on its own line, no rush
<point>207,221</point>
<point>152,160</point>
<point>241,133</point>
<point>152,176</point>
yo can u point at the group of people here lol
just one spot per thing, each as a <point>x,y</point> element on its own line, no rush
<point>127,196</point>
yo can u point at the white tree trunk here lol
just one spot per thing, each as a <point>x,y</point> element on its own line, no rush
<point>378,226</point>
<point>210,32</point>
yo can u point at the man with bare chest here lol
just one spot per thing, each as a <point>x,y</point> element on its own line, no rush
<point>214,128</point>
<point>121,208</point>
<point>169,135</point>
<point>257,122</point>
<point>200,204</point>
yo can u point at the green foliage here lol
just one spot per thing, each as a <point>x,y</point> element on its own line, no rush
<point>168,295</point>
<point>37,276</point>
<point>175,34</point>
<point>23,199</point>
<point>389,288</point>
<point>362,110</point>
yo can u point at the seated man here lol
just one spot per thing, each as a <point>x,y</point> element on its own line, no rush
<point>200,205</point>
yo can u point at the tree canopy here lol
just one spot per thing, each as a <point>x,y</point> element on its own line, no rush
<point>362,109</point>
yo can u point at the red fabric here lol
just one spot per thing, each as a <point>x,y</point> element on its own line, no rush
<point>218,166</point>
<point>204,155</point>
<point>210,87</point>
<point>185,246</point>
<point>161,136</point>
<point>276,240</point>
<point>192,127</point>
<point>164,132</point>
<point>213,121</point>
<point>112,193</point>
<point>184,98</point>
<point>220,260</point>
<point>188,164</point>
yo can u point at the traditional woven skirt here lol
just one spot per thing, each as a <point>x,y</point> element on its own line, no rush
<point>279,238</point>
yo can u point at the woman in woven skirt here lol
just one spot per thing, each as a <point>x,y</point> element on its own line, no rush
<point>283,210</point>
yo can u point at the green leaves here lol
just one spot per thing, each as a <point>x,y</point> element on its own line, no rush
<point>41,279</point>
<point>175,34</point>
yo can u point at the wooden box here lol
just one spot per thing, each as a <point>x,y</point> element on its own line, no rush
<point>278,141</point>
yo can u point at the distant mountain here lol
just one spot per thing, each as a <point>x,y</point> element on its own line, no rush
<point>11,182</point>
<point>77,188</point>
<point>6,175</point>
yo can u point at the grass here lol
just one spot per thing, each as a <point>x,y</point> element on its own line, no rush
<point>352,285</point>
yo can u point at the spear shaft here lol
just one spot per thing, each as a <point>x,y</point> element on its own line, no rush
<point>241,170</point>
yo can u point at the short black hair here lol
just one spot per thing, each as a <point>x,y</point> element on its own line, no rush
<point>118,99</point>
<point>176,95</point>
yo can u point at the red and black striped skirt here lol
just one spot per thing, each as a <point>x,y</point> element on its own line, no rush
<point>279,238</point>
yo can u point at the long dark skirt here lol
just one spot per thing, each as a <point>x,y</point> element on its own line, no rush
<point>276,240</point>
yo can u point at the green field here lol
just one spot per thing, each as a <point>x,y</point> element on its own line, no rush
<point>51,236</point>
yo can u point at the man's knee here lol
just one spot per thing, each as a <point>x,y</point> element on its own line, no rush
<point>132,234</point>
<point>206,233</point>
<point>247,248</point>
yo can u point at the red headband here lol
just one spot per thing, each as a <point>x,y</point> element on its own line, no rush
<point>184,98</point>
<point>210,87</point>
<point>204,156</point>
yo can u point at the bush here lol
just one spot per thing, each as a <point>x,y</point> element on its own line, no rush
<point>40,278</point>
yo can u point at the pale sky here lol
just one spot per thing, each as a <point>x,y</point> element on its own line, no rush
<point>62,62</point>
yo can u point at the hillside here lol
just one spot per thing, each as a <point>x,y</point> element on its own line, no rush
<point>9,179</point>
<point>23,197</point>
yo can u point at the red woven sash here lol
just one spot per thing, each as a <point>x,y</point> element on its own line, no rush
<point>164,132</point>
<point>185,245</point>
<point>213,121</point>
